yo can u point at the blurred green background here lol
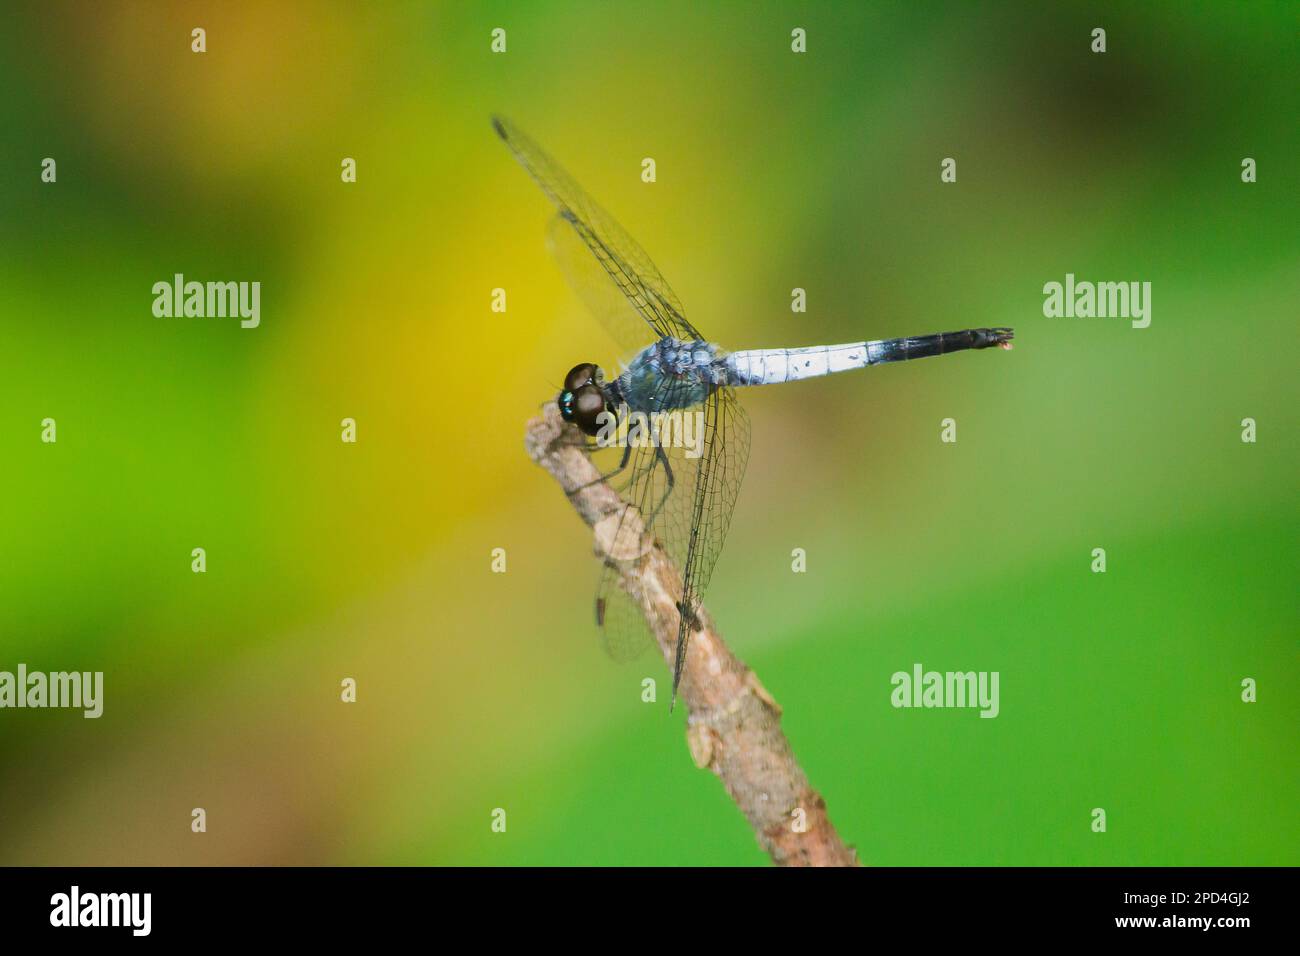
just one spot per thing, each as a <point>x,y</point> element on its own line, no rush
<point>775,170</point>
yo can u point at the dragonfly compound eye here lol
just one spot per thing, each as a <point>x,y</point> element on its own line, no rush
<point>584,408</point>
<point>579,376</point>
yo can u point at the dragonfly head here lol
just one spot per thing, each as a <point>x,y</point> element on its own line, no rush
<point>583,399</point>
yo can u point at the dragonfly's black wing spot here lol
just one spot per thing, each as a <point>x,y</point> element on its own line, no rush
<point>689,619</point>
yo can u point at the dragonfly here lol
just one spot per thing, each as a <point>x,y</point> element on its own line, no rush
<point>683,490</point>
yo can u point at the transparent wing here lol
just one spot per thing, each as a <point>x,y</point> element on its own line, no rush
<point>715,485</point>
<point>684,489</point>
<point>649,489</point>
<point>591,283</point>
<point>687,501</point>
<point>623,260</point>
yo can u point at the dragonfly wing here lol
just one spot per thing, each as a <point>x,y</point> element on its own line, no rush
<point>623,631</point>
<point>647,485</point>
<point>623,260</point>
<point>713,488</point>
<point>684,486</point>
<point>690,482</point>
<point>591,284</point>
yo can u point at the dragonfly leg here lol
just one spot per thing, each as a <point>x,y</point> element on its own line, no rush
<point>661,458</point>
<point>627,454</point>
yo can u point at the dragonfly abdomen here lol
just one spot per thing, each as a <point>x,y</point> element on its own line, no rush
<point>773,366</point>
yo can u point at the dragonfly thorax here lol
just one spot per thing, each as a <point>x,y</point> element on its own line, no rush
<point>672,374</point>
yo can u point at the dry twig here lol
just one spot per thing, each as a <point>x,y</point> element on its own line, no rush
<point>733,722</point>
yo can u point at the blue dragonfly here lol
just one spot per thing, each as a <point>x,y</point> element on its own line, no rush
<point>683,491</point>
